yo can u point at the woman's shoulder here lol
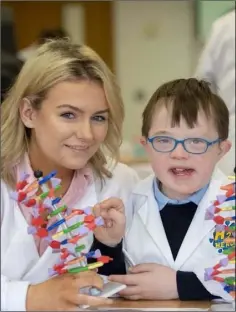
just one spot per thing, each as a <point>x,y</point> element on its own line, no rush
<point>5,190</point>
<point>120,184</point>
<point>6,200</point>
<point>122,172</point>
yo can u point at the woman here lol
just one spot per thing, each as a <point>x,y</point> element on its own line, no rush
<point>63,113</point>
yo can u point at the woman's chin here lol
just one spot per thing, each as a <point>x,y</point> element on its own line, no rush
<point>75,165</point>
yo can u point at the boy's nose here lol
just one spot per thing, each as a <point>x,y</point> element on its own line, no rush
<point>179,152</point>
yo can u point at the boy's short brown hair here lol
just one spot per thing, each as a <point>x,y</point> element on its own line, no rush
<point>185,98</point>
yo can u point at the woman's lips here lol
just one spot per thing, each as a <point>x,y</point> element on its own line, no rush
<point>77,147</point>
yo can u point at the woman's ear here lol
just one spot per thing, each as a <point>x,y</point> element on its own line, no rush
<point>27,113</point>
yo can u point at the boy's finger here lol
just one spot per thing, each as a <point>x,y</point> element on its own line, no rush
<point>133,298</point>
<point>113,202</point>
<point>141,268</point>
<point>130,291</point>
<point>97,210</point>
<point>116,216</point>
<point>129,280</point>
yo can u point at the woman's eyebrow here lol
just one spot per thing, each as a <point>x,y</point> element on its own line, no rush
<point>69,106</point>
<point>102,111</point>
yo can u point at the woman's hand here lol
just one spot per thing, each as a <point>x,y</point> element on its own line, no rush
<point>62,293</point>
<point>112,211</point>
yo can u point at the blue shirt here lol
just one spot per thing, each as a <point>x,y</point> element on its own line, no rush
<point>163,200</point>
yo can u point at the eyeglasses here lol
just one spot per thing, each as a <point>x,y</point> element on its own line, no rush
<point>165,144</point>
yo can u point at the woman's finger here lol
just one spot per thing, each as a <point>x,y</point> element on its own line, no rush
<point>92,301</point>
<point>86,279</point>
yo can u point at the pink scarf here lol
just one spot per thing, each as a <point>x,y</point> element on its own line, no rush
<point>81,179</point>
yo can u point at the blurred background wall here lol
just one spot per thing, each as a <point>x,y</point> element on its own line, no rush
<point>145,42</point>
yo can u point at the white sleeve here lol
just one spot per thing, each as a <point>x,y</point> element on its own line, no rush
<point>13,294</point>
<point>227,163</point>
<point>205,68</point>
<point>217,62</point>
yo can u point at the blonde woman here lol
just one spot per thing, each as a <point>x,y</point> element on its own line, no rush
<point>63,113</point>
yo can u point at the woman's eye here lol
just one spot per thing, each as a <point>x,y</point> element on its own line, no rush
<point>68,115</point>
<point>99,118</point>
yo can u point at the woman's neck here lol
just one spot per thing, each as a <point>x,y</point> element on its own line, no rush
<point>38,161</point>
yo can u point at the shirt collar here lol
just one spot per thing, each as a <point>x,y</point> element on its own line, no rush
<point>163,200</point>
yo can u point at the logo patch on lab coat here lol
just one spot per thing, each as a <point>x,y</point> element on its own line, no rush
<point>224,237</point>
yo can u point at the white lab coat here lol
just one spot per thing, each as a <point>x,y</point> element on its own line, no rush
<point>146,241</point>
<point>20,261</point>
<point>217,62</point>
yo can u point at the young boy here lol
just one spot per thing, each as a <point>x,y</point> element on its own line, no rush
<point>184,132</point>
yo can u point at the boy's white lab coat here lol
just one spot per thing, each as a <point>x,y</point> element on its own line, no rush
<point>21,264</point>
<point>146,241</point>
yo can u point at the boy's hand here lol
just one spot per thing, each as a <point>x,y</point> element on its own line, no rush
<point>112,211</point>
<point>148,281</point>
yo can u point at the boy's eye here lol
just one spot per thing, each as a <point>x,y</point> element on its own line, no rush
<point>196,141</point>
<point>68,115</point>
<point>99,118</point>
<point>163,140</point>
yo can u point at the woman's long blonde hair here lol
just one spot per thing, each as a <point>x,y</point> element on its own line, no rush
<point>54,62</point>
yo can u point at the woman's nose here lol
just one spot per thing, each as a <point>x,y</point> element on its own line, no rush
<point>84,131</point>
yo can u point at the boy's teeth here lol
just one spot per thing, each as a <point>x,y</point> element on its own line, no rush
<point>180,170</point>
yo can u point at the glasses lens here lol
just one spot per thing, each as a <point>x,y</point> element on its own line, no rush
<point>195,146</point>
<point>163,144</point>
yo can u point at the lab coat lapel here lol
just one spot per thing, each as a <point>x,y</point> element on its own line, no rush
<point>150,216</point>
<point>199,227</point>
<point>90,198</point>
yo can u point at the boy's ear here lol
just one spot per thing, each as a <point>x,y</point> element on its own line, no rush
<point>225,146</point>
<point>143,141</point>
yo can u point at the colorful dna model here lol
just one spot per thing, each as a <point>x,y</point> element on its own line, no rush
<point>47,216</point>
<point>224,239</point>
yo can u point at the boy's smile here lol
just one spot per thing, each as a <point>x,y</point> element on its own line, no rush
<point>182,171</point>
